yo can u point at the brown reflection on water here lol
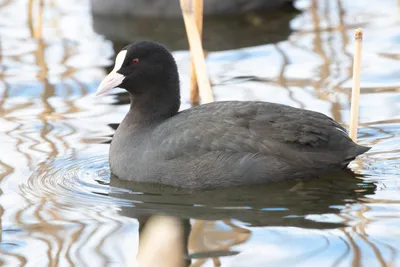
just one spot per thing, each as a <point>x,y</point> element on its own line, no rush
<point>358,234</point>
<point>325,67</point>
<point>206,238</point>
<point>282,81</point>
<point>5,169</point>
<point>44,231</point>
<point>46,142</point>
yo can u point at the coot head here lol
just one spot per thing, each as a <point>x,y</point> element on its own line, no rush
<point>145,68</point>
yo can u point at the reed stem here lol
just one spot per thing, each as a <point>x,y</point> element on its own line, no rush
<point>355,93</point>
<point>194,87</point>
<point>196,50</point>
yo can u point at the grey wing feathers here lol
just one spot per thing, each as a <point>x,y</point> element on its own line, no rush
<point>253,127</point>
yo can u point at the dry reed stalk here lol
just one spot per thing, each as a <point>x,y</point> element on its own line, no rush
<point>196,50</point>
<point>194,87</point>
<point>355,93</point>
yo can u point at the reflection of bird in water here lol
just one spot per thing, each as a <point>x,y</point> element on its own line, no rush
<point>164,241</point>
<point>279,204</point>
<point>265,205</point>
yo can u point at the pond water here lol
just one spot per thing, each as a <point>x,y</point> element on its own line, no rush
<point>59,205</point>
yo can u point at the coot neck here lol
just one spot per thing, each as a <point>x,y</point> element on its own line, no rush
<point>146,108</point>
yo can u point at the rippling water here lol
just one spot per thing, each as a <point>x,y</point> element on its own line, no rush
<point>60,206</point>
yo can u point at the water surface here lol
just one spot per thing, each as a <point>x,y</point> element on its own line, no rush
<point>59,205</point>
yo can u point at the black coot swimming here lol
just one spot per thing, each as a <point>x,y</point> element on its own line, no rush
<point>214,145</point>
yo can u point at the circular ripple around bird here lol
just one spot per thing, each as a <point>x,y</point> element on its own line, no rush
<point>73,181</point>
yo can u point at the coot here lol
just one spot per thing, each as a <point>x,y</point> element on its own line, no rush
<point>218,144</point>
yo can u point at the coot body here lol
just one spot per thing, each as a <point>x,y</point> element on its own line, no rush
<point>218,144</point>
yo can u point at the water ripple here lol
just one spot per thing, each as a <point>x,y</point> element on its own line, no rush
<point>70,181</point>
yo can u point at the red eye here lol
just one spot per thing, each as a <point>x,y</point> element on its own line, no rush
<point>135,61</point>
